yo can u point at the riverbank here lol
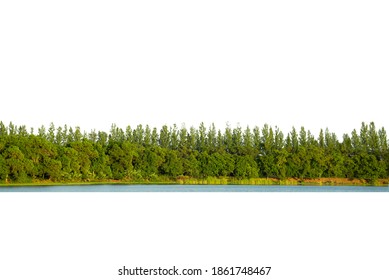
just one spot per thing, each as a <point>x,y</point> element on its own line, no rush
<point>183,180</point>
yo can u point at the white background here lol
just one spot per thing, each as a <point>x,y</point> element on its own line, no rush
<point>94,63</point>
<point>286,63</point>
<point>90,236</point>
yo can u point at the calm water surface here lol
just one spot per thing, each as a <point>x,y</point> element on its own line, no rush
<point>191,188</point>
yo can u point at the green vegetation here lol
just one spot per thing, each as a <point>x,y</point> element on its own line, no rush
<point>192,156</point>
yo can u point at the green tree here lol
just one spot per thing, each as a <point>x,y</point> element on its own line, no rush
<point>246,167</point>
<point>16,164</point>
<point>191,165</point>
<point>164,137</point>
<point>4,171</point>
<point>172,165</point>
<point>121,157</point>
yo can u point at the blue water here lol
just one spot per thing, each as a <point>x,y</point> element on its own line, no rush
<point>191,188</point>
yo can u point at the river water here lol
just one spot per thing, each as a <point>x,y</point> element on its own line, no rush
<point>190,188</point>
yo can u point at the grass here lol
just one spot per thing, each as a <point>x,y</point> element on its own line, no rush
<point>185,180</point>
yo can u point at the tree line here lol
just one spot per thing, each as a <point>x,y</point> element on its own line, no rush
<point>66,154</point>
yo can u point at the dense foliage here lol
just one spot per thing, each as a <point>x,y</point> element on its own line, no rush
<point>144,153</point>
